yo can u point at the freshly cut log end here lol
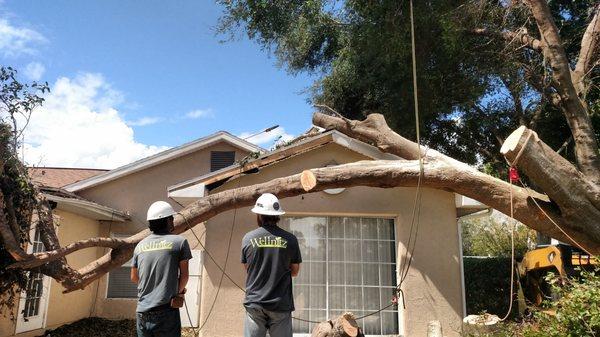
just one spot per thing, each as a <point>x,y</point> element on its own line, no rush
<point>343,326</point>
<point>349,325</point>
<point>308,180</point>
<point>510,144</point>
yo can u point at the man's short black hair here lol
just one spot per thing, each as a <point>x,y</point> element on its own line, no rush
<point>160,226</point>
<point>268,220</point>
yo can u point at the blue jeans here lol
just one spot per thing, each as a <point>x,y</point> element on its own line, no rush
<point>258,321</point>
<point>161,323</point>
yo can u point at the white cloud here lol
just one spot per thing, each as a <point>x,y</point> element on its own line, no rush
<point>267,139</point>
<point>15,41</point>
<point>144,121</point>
<point>79,126</point>
<point>200,113</point>
<point>34,71</point>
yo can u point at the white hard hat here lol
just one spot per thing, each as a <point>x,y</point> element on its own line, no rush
<point>159,210</point>
<point>267,204</point>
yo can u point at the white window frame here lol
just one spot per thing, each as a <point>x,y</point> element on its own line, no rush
<point>395,221</point>
<point>129,264</point>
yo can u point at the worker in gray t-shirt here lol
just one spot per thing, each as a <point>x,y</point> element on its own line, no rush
<point>160,268</point>
<point>272,257</point>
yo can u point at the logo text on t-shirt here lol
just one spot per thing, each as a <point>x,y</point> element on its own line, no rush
<point>269,242</point>
<point>155,245</point>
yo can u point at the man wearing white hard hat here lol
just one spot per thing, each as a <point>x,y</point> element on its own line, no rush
<point>271,256</point>
<point>160,268</point>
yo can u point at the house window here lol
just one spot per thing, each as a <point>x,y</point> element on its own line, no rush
<point>221,159</point>
<point>349,264</point>
<point>119,280</point>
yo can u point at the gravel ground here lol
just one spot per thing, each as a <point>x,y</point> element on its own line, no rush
<point>101,327</point>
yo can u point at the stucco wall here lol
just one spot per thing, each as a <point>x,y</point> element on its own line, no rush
<point>134,193</point>
<point>432,288</point>
<point>63,308</point>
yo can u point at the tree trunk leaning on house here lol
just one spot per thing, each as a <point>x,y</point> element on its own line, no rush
<point>574,191</point>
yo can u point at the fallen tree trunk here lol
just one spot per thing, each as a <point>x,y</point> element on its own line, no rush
<point>440,172</point>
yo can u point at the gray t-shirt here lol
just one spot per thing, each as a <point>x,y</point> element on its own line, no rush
<point>157,259</point>
<point>268,252</point>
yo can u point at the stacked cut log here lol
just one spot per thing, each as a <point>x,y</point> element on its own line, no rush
<point>343,326</point>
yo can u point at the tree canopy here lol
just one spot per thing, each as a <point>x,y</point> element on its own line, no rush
<point>474,88</point>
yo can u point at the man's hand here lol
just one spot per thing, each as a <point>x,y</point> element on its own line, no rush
<point>135,278</point>
<point>295,269</point>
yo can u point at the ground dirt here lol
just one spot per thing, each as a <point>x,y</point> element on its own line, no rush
<point>101,327</point>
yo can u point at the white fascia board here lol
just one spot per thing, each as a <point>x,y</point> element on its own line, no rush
<point>88,209</point>
<point>187,195</point>
<point>163,157</point>
<point>466,202</point>
<point>361,147</point>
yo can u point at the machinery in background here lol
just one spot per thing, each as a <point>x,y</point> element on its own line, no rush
<point>553,256</point>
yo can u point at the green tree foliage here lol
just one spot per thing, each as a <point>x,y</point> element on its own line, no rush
<point>17,101</point>
<point>491,236</point>
<point>575,314</point>
<point>473,90</point>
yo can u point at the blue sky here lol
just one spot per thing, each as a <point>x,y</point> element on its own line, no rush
<point>130,78</point>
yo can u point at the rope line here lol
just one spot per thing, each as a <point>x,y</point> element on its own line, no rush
<point>512,247</point>
<point>407,261</point>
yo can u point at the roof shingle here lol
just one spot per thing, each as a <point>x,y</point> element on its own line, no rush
<point>60,176</point>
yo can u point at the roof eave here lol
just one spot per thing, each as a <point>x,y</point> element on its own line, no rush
<point>161,158</point>
<point>88,209</point>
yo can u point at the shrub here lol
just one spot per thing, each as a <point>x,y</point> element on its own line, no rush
<point>487,285</point>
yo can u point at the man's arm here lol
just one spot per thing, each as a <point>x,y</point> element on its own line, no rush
<point>295,269</point>
<point>135,278</point>
<point>184,275</point>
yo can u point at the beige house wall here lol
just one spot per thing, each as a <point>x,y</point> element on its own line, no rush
<point>433,285</point>
<point>134,193</point>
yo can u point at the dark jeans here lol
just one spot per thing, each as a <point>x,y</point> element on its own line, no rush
<point>259,321</point>
<point>160,323</point>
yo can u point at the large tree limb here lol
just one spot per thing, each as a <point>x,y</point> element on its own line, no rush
<point>588,53</point>
<point>441,172</point>
<point>38,259</point>
<point>586,146</point>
